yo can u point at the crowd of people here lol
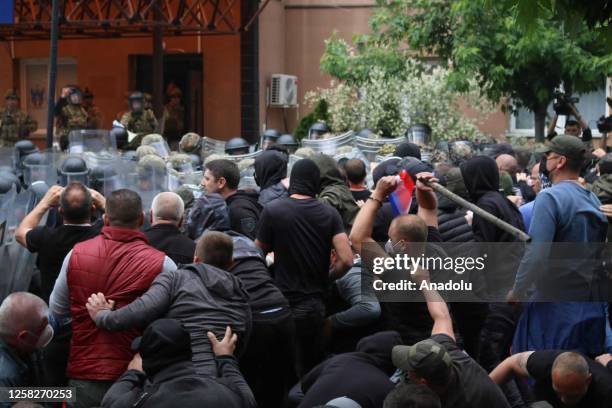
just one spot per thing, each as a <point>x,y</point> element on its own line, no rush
<point>262,295</point>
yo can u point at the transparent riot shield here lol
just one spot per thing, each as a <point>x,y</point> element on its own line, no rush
<point>355,153</point>
<point>149,180</point>
<point>330,145</point>
<point>212,146</point>
<point>240,157</point>
<point>247,179</point>
<point>7,159</point>
<point>94,141</point>
<point>7,201</point>
<point>108,177</point>
<point>40,167</point>
<point>372,147</point>
<point>162,148</point>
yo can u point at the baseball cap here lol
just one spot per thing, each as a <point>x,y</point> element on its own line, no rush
<point>568,146</point>
<point>428,359</point>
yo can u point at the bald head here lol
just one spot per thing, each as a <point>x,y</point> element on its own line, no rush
<point>167,208</point>
<point>507,163</point>
<point>76,204</point>
<point>23,320</point>
<point>571,377</point>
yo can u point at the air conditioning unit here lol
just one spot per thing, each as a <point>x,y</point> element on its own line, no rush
<point>283,90</point>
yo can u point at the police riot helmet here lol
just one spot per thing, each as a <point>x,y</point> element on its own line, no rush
<point>288,142</point>
<point>73,169</point>
<point>317,130</point>
<point>237,146</point>
<point>74,96</point>
<point>136,101</point>
<point>21,150</point>
<point>271,134</point>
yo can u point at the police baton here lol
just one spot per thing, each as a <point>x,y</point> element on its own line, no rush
<point>510,229</point>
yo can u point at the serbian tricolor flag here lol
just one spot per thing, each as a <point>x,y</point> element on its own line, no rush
<point>401,198</point>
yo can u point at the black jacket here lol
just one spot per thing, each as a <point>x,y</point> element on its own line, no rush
<point>250,267</point>
<point>244,210</point>
<point>452,224</point>
<point>481,177</point>
<point>362,376</point>
<point>169,239</point>
<point>177,385</point>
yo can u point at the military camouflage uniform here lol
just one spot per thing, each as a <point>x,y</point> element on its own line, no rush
<point>72,117</point>
<point>94,117</point>
<point>141,124</point>
<point>174,123</point>
<point>14,126</point>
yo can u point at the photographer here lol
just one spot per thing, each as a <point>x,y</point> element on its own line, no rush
<point>573,127</point>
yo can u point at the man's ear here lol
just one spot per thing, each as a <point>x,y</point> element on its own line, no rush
<point>151,217</point>
<point>180,222</point>
<point>196,259</point>
<point>105,219</point>
<point>141,219</point>
<point>60,210</point>
<point>221,182</point>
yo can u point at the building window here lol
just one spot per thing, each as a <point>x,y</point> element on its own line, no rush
<point>591,106</point>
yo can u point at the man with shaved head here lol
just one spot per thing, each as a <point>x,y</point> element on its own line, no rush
<point>24,328</point>
<point>166,217</point>
<point>407,234</point>
<point>563,379</point>
<point>508,163</point>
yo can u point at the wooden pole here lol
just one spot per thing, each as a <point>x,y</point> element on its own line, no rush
<point>477,210</point>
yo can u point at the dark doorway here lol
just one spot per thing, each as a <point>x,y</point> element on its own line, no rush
<point>183,70</point>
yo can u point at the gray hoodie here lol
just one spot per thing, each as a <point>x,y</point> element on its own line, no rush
<point>202,297</point>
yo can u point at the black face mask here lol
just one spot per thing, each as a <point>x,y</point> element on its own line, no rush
<point>543,170</point>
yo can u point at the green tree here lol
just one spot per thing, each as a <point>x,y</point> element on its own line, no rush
<point>488,44</point>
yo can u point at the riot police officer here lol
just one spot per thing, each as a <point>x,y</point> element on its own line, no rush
<point>236,146</point>
<point>14,124</point>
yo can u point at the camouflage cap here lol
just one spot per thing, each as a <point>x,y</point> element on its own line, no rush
<point>186,195</point>
<point>439,156</point>
<point>11,94</point>
<point>145,150</point>
<point>461,151</point>
<point>245,164</point>
<point>190,142</point>
<point>212,157</point>
<point>344,149</point>
<point>151,164</point>
<point>152,138</point>
<point>305,152</point>
<point>179,161</point>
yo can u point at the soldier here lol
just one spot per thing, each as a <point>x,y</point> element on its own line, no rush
<point>94,116</point>
<point>138,120</point>
<point>70,114</point>
<point>174,117</point>
<point>14,124</point>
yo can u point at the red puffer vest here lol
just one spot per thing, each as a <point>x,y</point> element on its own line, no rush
<point>121,264</point>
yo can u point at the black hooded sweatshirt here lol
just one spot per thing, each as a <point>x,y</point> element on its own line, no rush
<point>244,210</point>
<point>362,375</point>
<point>270,169</point>
<point>481,177</point>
